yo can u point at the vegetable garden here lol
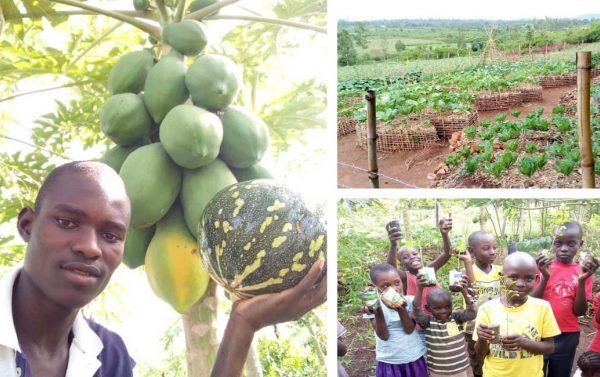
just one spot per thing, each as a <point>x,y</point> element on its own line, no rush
<point>490,117</point>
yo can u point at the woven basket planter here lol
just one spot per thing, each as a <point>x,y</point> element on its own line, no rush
<point>346,125</point>
<point>397,137</point>
<point>448,123</point>
<point>488,101</point>
<point>531,93</point>
<point>558,81</point>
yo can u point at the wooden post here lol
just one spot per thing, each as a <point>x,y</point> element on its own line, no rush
<point>372,139</point>
<point>584,65</point>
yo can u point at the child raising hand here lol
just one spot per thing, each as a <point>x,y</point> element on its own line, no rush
<point>399,350</point>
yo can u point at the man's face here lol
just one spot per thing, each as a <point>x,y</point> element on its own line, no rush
<point>519,278</point>
<point>76,239</point>
<point>440,307</point>
<point>410,258</point>
<point>484,249</point>
<point>566,243</point>
<point>387,279</point>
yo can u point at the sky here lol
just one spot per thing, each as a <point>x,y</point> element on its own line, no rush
<point>463,9</point>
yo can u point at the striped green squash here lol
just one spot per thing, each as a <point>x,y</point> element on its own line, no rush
<point>259,237</point>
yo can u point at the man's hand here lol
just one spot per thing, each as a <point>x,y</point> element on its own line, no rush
<point>464,256</point>
<point>394,235</point>
<point>422,281</point>
<point>588,266</point>
<point>368,310</point>
<point>512,342</point>
<point>445,225</point>
<point>464,284</point>
<point>543,263</point>
<point>485,332</point>
<point>289,305</point>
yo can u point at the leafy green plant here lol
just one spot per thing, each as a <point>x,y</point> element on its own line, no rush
<point>500,117</point>
<point>527,166</point>
<point>512,145</point>
<point>452,159</point>
<point>558,110</point>
<point>530,147</point>
<point>470,132</point>
<point>486,155</point>
<point>470,166</point>
<point>496,168</point>
<point>484,123</point>
<point>505,135</point>
<point>515,113</point>
<point>508,158</point>
<point>563,124</point>
<point>565,166</point>
<point>465,151</point>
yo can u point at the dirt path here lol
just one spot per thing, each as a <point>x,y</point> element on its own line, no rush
<point>409,169</point>
<point>360,359</point>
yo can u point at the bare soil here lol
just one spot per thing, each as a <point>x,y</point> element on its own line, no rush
<point>360,359</point>
<point>409,169</point>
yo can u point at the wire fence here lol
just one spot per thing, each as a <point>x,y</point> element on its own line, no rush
<point>393,179</point>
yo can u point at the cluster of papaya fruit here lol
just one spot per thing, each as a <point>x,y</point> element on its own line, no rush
<point>180,139</point>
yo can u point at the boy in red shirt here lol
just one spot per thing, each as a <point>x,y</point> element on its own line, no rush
<point>567,286</point>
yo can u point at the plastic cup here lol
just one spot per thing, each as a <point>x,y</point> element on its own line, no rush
<point>394,224</point>
<point>429,273</point>
<point>370,299</point>
<point>496,328</point>
<point>392,298</point>
<point>454,278</point>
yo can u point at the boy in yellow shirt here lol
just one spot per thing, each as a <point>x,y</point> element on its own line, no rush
<point>485,282</point>
<point>514,331</point>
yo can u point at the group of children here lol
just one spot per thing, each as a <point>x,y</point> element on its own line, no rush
<point>519,319</point>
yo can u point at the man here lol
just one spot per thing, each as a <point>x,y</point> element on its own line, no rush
<point>75,237</point>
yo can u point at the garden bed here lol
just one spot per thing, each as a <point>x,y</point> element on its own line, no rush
<point>399,136</point>
<point>558,81</point>
<point>489,101</point>
<point>448,123</point>
<point>346,125</point>
<point>530,93</point>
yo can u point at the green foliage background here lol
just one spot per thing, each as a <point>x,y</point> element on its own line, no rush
<point>67,58</point>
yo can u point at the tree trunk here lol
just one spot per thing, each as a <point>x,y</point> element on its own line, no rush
<point>406,223</point>
<point>252,367</point>
<point>199,325</point>
<point>481,218</point>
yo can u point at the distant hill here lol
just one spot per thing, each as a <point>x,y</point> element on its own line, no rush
<point>588,16</point>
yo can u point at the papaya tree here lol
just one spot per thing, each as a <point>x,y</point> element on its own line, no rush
<point>47,42</point>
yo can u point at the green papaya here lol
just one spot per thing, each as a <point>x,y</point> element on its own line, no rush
<point>256,171</point>
<point>173,265</point>
<point>199,4</point>
<point>115,156</point>
<point>165,86</point>
<point>130,71</point>
<point>187,37</point>
<point>191,136</point>
<point>141,5</point>
<point>245,137</point>
<point>124,119</point>
<point>198,187</point>
<point>136,244</point>
<point>153,181</point>
<point>213,81</point>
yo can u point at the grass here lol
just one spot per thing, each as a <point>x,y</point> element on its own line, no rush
<point>396,68</point>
